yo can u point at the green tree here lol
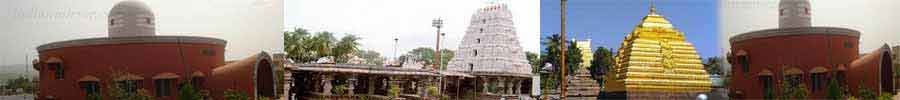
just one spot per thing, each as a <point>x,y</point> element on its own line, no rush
<point>834,91</point>
<point>713,66</point>
<point>301,46</point>
<point>534,60</point>
<point>603,60</point>
<point>573,58</point>
<point>426,56</point>
<point>188,92</point>
<point>550,56</point>
<point>347,45</point>
<point>371,57</point>
<point>297,47</point>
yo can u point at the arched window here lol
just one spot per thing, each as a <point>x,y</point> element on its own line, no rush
<point>55,65</point>
<point>818,78</point>
<point>90,85</point>
<point>745,63</point>
<point>112,22</point>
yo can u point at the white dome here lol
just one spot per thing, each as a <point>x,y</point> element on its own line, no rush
<point>131,18</point>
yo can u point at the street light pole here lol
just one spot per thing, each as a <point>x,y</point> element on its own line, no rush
<point>437,23</point>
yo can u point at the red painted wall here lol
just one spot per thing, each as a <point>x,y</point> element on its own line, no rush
<point>799,51</point>
<point>143,59</point>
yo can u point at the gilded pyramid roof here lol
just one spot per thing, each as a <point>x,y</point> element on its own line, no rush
<point>655,57</point>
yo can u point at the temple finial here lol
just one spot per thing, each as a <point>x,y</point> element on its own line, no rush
<point>652,7</point>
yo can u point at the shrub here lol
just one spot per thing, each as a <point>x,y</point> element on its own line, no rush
<point>235,95</point>
<point>188,92</point>
<point>394,91</point>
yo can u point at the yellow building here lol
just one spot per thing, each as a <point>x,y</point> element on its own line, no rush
<point>655,58</point>
<point>586,53</point>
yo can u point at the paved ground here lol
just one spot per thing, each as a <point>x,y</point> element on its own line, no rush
<point>17,97</point>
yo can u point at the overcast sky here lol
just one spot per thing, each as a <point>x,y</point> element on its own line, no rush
<point>249,26</point>
<point>877,20</point>
<point>378,22</point>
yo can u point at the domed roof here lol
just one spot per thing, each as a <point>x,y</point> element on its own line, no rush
<point>131,18</point>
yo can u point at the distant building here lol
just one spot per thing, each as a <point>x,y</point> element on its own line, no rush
<point>587,54</point>
<point>796,55</point>
<point>135,59</point>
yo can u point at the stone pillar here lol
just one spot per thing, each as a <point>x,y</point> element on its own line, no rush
<point>351,84</point>
<point>502,86</point>
<point>484,85</point>
<point>326,82</point>
<point>370,84</point>
<point>517,89</point>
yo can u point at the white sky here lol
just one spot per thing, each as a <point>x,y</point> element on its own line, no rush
<point>877,20</point>
<point>249,26</point>
<point>378,22</point>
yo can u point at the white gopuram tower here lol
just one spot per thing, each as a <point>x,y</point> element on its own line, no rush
<point>490,46</point>
<point>794,13</point>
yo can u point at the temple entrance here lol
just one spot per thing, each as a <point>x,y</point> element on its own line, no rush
<point>265,79</point>
<point>887,73</point>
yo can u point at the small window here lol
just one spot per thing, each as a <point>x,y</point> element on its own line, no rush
<point>818,81</point>
<point>484,21</point>
<point>478,40</point>
<point>148,21</point>
<point>475,53</point>
<point>767,84</point>
<point>209,52</point>
<point>481,30</point>
<point>163,87</point>
<point>197,81</point>
<point>745,63</point>
<point>90,88</point>
<point>847,44</point>
<point>112,22</point>
<point>59,71</point>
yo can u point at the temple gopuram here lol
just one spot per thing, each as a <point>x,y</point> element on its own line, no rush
<point>655,62</point>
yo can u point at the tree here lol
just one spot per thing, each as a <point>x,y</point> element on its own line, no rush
<point>188,92</point>
<point>371,57</point>
<point>345,47</point>
<point>534,60</point>
<point>297,47</point>
<point>713,66</point>
<point>426,56</point>
<point>573,58</point>
<point>834,91</point>
<point>301,46</point>
<point>550,56</point>
<point>603,60</point>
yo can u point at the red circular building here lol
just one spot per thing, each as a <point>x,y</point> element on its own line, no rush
<point>797,55</point>
<point>135,60</point>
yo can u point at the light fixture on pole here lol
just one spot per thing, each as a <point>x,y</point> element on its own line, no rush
<point>437,23</point>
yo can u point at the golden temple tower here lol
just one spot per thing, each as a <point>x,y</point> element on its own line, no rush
<point>655,58</point>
